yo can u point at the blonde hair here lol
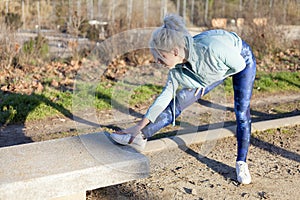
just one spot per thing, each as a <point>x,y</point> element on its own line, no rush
<point>170,35</point>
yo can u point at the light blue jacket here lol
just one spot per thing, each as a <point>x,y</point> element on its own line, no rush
<point>212,56</point>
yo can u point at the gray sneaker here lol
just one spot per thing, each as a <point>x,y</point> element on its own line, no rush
<point>138,142</point>
<point>242,172</point>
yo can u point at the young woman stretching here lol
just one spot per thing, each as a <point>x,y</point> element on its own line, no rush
<point>197,65</point>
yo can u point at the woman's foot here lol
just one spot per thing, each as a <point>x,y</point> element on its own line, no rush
<point>138,142</point>
<point>242,172</point>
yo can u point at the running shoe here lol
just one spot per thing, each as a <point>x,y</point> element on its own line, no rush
<point>138,142</point>
<point>242,172</point>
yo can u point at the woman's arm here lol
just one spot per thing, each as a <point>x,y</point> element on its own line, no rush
<point>161,102</point>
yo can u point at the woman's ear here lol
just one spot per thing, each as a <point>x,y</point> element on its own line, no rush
<point>176,51</point>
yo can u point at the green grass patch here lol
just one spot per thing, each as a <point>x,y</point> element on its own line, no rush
<point>288,130</point>
<point>144,93</point>
<point>16,108</point>
<point>271,83</point>
<point>276,82</point>
<point>103,95</point>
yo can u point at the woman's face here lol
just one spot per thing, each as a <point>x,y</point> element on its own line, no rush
<point>170,59</point>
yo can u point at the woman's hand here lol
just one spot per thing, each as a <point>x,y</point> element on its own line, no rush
<point>136,129</point>
<point>133,131</point>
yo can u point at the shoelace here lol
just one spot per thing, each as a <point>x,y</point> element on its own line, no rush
<point>243,170</point>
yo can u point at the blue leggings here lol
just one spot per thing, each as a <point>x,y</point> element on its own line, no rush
<point>242,86</point>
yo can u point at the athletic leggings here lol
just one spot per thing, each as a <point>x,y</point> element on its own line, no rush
<point>242,86</point>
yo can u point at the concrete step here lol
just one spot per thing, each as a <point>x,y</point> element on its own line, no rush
<point>67,167</point>
<point>189,137</point>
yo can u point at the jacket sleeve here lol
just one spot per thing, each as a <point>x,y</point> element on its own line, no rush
<point>163,100</point>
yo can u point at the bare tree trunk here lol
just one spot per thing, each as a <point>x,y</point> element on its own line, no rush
<point>206,12</point>
<point>90,9</point>
<point>178,7</point>
<point>113,6</point>
<point>79,8</point>
<point>285,5</point>
<point>129,12</point>
<point>146,6</point>
<point>241,5</point>
<point>255,8</point>
<point>223,7</point>
<point>271,4</point>
<point>192,11</point>
<point>23,14</point>
<point>99,10</point>
<point>27,5</point>
<point>271,8</point>
<point>6,6</point>
<point>184,9</point>
<point>164,8</point>
<point>70,11</point>
<point>111,15</point>
<point>38,15</point>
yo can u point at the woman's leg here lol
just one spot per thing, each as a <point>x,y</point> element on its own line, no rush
<point>242,85</point>
<point>184,98</point>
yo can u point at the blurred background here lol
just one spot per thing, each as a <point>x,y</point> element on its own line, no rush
<point>118,15</point>
<point>62,28</point>
<point>60,21</point>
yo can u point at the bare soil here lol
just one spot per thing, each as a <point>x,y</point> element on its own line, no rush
<point>186,174</point>
<point>207,171</point>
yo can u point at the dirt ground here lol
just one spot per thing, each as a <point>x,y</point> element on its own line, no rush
<point>185,174</point>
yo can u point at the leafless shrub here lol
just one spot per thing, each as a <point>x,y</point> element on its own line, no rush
<point>263,38</point>
<point>34,51</point>
<point>9,47</point>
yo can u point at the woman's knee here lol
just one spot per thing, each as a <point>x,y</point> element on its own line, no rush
<point>186,97</point>
<point>243,116</point>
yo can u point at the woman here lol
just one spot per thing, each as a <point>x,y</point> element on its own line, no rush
<point>198,64</point>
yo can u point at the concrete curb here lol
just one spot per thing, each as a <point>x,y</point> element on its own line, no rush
<point>215,134</point>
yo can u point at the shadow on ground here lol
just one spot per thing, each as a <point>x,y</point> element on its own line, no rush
<point>15,109</point>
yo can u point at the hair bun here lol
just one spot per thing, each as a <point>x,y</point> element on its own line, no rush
<point>174,22</point>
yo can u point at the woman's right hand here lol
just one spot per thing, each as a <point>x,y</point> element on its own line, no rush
<point>134,130</point>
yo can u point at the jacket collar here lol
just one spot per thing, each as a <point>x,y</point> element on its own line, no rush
<point>192,56</point>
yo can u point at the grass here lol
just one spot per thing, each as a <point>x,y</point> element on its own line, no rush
<point>144,93</point>
<point>271,83</point>
<point>17,108</point>
<point>287,130</point>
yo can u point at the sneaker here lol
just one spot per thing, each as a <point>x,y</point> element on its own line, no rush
<point>242,172</point>
<point>139,142</point>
